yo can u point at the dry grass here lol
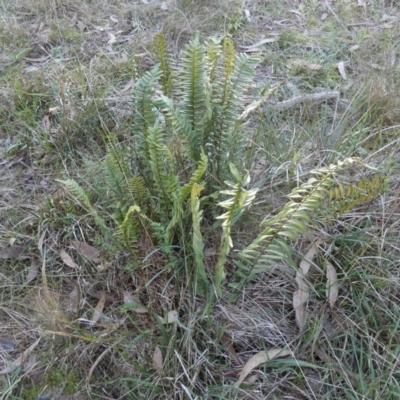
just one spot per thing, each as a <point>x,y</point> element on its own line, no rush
<point>65,84</point>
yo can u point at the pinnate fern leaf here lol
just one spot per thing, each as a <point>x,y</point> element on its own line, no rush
<point>269,246</point>
<point>79,193</point>
<point>162,54</point>
<point>195,178</point>
<point>193,102</point>
<point>197,239</point>
<point>144,113</point>
<point>163,174</point>
<point>235,205</point>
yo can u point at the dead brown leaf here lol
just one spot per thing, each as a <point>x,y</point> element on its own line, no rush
<point>32,273</point>
<point>301,295</point>
<point>67,260</point>
<point>172,317</point>
<point>332,286</point>
<point>13,252</point>
<point>258,44</point>
<point>258,359</point>
<point>41,241</point>
<point>46,123</point>
<point>73,305</point>
<point>342,70</point>
<point>158,360</point>
<point>111,38</point>
<point>98,311</point>
<point>87,251</point>
<point>20,360</point>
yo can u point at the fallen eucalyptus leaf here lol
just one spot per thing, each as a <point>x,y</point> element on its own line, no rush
<point>258,359</point>
<point>67,260</point>
<point>342,70</point>
<point>332,286</point>
<point>258,44</point>
<point>87,251</point>
<point>32,274</point>
<point>172,317</point>
<point>301,295</point>
<point>41,241</point>
<point>98,311</point>
<point>20,360</point>
<point>73,305</point>
<point>158,360</point>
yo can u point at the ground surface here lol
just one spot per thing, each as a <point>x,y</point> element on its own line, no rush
<point>66,75</point>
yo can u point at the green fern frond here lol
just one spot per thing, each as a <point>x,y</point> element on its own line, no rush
<point>228,50</point>
<point>124,188</point>
<point>344,197</point>
<point>197,239</point>
<point>139,191</point>
<point>79,193</point>
<point>127,232</point>
<point>212,57</point>
<point>292,221</point>
<point>178,202</point>
<point>239,82</point>
<point>240,199</point>
<point>193,94</point>
<point>175,226</point>
<point>144,111</point>
<point>162,169</point>
<point>181,125</point>
<point>116,170</point>
<point>235,81</point>
<point>195,178</point>
<point>162,55</point>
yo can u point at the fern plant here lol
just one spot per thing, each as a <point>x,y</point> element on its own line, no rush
<point>187,144</point>
<point>317,193</point>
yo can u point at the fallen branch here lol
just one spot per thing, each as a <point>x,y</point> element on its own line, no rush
<point>321,96</point>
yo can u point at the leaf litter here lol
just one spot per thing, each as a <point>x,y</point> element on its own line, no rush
<point>301,295</point>
<point>20,360</point>
<point>67,260</point>
<point>332,286</point>
<point>86,250</point>
<point>98,311</point>
<point>157,360</point>
<point>258,359</point>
